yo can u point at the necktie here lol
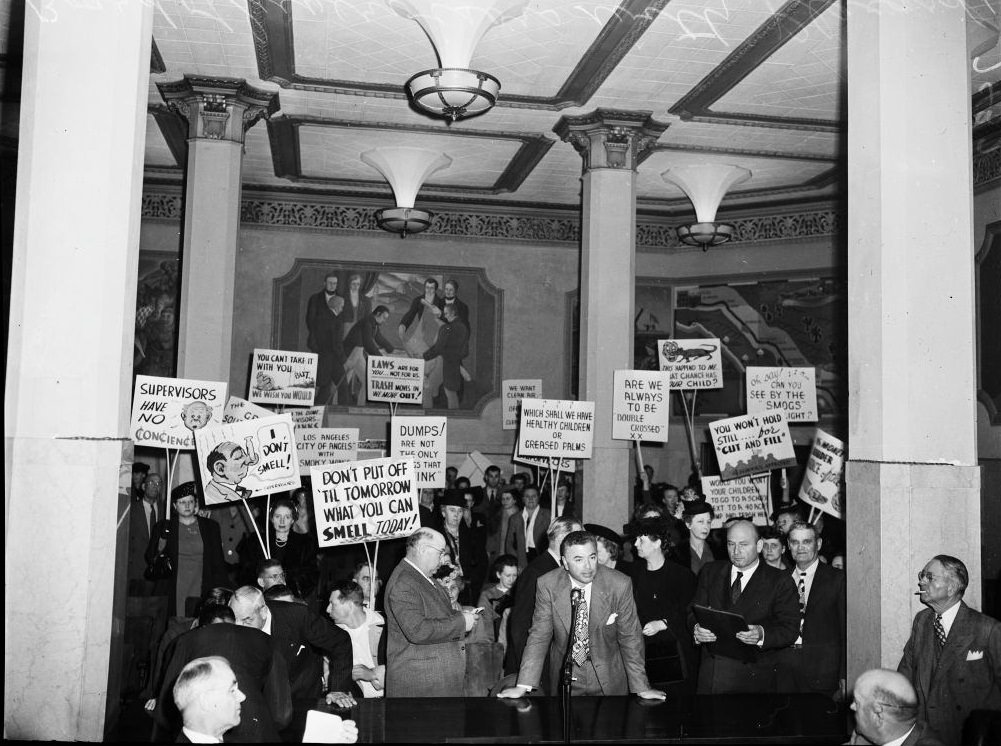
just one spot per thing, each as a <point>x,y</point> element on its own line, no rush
<point>152,518</point>
<point>939,631</point>
<point>802,600</point>
<point>735,589</point>
<point>581,648</point>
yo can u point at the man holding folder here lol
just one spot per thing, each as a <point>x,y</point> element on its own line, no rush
<point>766,599</point>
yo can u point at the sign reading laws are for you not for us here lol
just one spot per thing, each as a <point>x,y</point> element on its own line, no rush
<point>641,405</point>
<point>364,501</point>
<point>556,428</point>
<point>395,379</point>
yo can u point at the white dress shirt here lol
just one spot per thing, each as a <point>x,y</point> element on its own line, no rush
<point>899,741</point>
<point>949,616</point>
<point>195,737</point>
<point>530,526</point>
<point>811,573</point>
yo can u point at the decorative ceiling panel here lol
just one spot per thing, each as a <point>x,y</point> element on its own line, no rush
<point>205,37</point>
<point>769,139</point>
<point>802,79</point>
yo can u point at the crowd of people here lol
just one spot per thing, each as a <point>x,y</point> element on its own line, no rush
<point>486,597</point>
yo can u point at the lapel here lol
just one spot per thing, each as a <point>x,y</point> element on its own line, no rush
<point>752,587</point>
<point>601,604</point>
<point>960,639</point>
<point>562,601</point>
<point>819,590</point>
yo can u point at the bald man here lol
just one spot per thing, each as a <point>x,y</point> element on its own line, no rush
<point>886,711</point>
<point>764,596</point>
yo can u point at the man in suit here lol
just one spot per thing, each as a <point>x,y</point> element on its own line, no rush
<point>490,504</point>
<point>520,619</point>
<point>953,656</point>
<point>451,345</point>
<point>767,600</point>
<point>326,333</point>
<point>259,668</point>
<point>302,636</point>
<point>364,340</point>
<point>425,648</point>
<point>815,662</point>
<point>146,509</point>
<point>886,708</point>
<point>208,698</point>
<point>536,522</point>
<point>607,641</point>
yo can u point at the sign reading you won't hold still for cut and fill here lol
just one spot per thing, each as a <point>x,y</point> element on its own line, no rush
<point>556,428</point>
<point>751,444</point>
<point>364,501</point>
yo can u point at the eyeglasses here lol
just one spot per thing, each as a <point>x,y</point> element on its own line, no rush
<point>441,552</point>
<point>928,576</point>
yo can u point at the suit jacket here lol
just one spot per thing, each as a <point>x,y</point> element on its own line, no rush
<point>921,735</point>
<point>616,648</point>
<point>769,599</point>
<point>325,329</point>
<point>520,619</point>
<point>425,647</point>
<point>824,630</point>
<point>260,672</point>
<point>542,520</point>
<point>139,534</point>
<point>302,636</point>
<point>965,676</point>
<point>366,334</point>
<point>213,562</point>
<point>452,344</point>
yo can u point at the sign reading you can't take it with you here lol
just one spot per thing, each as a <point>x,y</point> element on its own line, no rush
<point>280,377</point>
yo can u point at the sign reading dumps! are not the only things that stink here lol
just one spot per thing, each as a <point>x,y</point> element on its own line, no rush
<point>422,439</point>
<point>556,428</point>
<point>364,501</point>
<point>280,377</point>
<point>166,412</point>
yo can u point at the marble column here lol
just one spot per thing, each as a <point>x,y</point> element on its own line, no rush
<point>610,143</point>
<point>69,366</point>
<point>219,111</point>
<point>912,480</point>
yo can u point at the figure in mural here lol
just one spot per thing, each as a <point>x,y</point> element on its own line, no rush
<point>156,327</point>
<point>452,299</point>
<point>418,331</point>
<point>356,305</point>
<point>326,333</point>
<point>450,347</point>
<point>364,339</point>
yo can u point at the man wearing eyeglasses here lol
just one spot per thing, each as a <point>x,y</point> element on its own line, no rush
<point>953,657</point>
<point>426,650</point>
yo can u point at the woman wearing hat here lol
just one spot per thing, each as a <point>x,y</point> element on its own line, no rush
<point>194,546</point>
<point>697,552</point>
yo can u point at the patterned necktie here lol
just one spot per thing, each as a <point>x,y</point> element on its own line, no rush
<point>939,631</point>
<point>802,600</point>
<point>735,589</point>
<point>581,647</point>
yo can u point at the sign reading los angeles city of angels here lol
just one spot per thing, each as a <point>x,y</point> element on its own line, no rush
<point>793,390</point>
<point>395,379</point>
<point>641,405</point>
<point>247,458</point>
<point>692,363</point>
<point>738,497</point>
<point>325,445</point>
<point>514,392</point>
<point>166,412</point>
<point>824,472</point>
<point>422,439</point>
<point>238,409</point>
<point>556,428</point>
<point>280,377</point>
<point>751,444</point>
<point>364,501</point>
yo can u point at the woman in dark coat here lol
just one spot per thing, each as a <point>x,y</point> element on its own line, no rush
<point>663,590</point>
<point>194,546</point>
<point>296,552</point>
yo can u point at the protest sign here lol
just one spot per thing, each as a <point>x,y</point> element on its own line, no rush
<point>166,412</point>
<point>474,467</point>
<point>562,464</point>
<point>325,445</point>
<point>280,377</point>
<point>240,409</point>
<point>640,405</point>
<point>247,458</point>
<point>752,443</point>
<point>556,428</point>
<point>822,479</point>
<point>513,392</point>
<point>395,379</point>
<point>364,501</point>
<point>742,497</point>
<point>793,390</point>
<point>421,439</point>
<point>692,363</point>
<point>307,417</point>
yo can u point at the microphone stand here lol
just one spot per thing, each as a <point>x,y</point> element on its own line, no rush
<point>566,675</point>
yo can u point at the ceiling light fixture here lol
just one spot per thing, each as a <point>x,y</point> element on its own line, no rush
<point>405,169</point>
<point>705,184</point>
<point>453,89</point>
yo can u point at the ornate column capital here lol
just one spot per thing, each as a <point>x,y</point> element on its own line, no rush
<point>218,108</point>
<point>610,138</point>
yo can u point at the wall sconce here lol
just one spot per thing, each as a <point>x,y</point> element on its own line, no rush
<point>405,169</point>
<point>705,184</point>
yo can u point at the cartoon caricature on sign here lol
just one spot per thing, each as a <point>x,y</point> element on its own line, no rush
<point>247,458</point>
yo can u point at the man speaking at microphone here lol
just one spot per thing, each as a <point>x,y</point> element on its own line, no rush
<point>607,653</point>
